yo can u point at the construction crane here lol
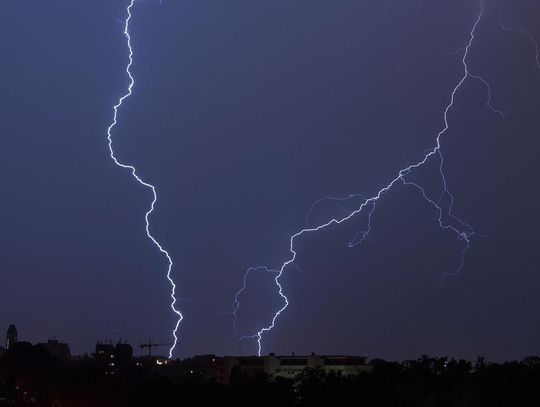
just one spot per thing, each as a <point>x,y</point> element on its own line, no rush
<point>151,345</point>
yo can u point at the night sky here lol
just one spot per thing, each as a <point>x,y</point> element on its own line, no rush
<point>244,113</point>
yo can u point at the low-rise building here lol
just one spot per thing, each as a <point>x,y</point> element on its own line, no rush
<point>292,365</point>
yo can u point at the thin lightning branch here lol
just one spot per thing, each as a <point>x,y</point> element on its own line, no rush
<point>462,230</point>
<point>488,88</point>
<point>236,302</point>
<point>336,200</point>
<point>463,235</point>
<point>363,235</point>
<point>531,38</point>
<point>139,180</point>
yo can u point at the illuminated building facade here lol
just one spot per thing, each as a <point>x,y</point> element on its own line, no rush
<point>290,366</point>
<point>11,336</point>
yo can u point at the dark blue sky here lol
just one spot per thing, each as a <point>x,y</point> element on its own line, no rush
<point>243,114</point>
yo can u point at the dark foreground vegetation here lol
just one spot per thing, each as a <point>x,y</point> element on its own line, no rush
<point>31,376</point>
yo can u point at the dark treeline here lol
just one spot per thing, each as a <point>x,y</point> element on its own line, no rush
<point>31,376</point>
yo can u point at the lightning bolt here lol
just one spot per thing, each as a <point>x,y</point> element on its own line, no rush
<point>133,170</point>
<point>445,217</point>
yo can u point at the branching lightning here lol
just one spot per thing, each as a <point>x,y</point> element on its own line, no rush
<point>139,180</point>
<point>443,204</point>
<point>236,302</point>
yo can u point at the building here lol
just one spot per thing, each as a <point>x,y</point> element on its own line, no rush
<point>249,366</point>
<point>56,348</point>
<point>110,358</point>
<point>123,354</point>
<point>105,357</point>
<point>290,367</point>
<point>11,336</point>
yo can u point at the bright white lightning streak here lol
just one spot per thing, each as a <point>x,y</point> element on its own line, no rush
<point>463,231</point>
<point>139,180</point>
